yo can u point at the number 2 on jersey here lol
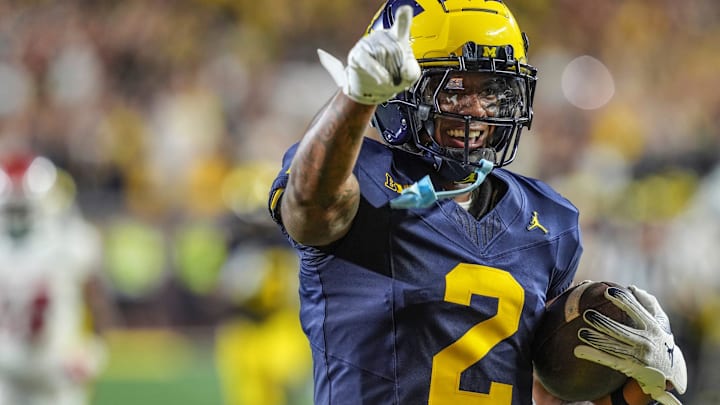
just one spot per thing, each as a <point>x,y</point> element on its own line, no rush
<point>462,282</point>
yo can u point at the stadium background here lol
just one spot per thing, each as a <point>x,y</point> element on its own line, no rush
<point>172,116</point>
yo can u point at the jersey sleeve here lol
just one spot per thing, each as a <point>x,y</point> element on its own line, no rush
<point>569,252</point>
<point>82,246</point>
<point>278,186</point>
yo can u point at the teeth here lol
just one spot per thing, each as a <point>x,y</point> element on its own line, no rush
<point>459,133</point>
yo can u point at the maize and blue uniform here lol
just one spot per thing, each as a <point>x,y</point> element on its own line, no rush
<point>432,305</point>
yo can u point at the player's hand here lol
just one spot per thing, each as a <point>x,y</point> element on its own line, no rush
<point>380,65</point>
<point>647,354</point>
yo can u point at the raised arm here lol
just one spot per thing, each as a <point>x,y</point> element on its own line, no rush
<point>322,195</point>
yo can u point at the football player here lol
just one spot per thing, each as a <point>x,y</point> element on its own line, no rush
<point>425,264</point>
<point>49,256</point>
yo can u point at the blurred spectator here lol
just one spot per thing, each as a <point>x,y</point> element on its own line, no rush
<point>52,305</point>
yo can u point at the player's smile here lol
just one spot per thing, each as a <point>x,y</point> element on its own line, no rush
<point>452,134</point>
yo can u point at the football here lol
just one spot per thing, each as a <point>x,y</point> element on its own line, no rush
<point>564,375</point>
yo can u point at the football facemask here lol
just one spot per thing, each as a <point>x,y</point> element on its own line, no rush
<point>475,52</point>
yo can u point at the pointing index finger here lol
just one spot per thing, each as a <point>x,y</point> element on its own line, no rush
<point>403,19</point>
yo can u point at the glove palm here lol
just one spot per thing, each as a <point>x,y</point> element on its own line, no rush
<point>647,354</point>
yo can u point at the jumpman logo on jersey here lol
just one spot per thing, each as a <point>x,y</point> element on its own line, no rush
<point>535,223</point>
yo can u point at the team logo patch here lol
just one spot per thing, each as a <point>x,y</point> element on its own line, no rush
<point>392,185</point>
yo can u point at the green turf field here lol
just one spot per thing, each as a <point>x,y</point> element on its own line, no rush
<point>157,368</point>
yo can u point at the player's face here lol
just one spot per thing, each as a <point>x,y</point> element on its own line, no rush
<point>466,95</point>
<point>17,218</point>
<point>463,95</point>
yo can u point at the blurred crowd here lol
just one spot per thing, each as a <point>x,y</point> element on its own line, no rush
<point>171,117</point>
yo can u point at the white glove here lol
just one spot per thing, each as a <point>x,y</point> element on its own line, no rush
<point>380,65</point>
<point>647,354</point>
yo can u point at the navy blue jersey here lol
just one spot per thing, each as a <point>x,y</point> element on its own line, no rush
<point>432,306</point>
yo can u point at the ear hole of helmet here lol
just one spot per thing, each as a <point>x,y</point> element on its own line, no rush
<point>392,122</point>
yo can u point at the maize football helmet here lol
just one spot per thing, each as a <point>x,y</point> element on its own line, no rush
<point>472,53</point>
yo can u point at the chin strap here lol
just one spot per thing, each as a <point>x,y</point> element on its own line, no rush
<point>422,194</point>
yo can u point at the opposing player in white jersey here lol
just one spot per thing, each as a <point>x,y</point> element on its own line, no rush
<point>49,256</point>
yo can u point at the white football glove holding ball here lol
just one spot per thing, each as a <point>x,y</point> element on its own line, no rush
<point>380,65</point>
<point>647,354</point>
